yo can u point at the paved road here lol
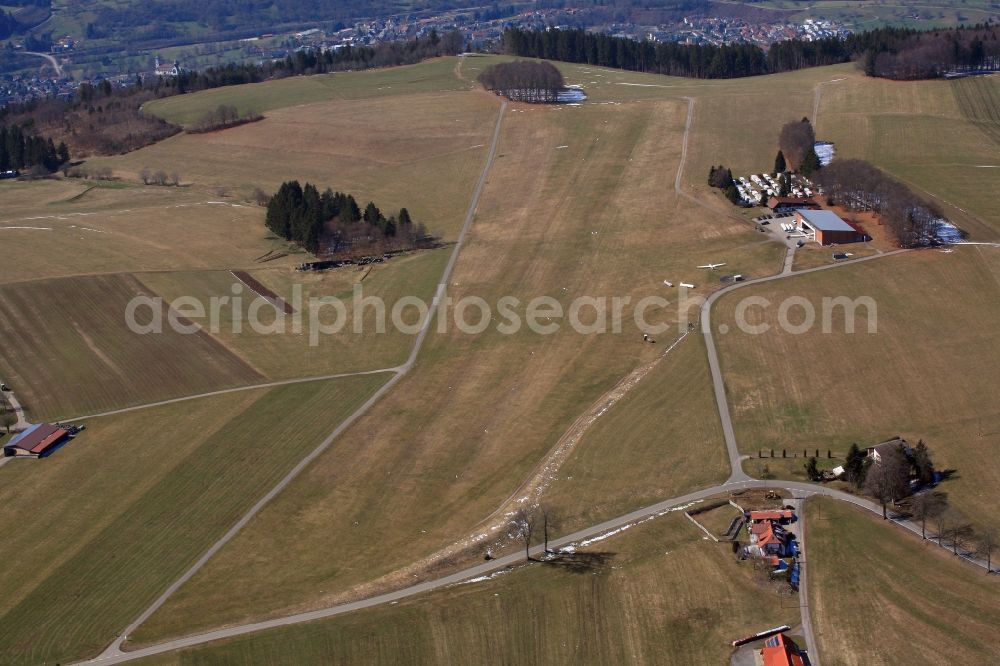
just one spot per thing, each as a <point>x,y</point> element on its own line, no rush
<point>115,648</point>
<point>11,399</point>
<point>719,386</point>
<point>805,614</point>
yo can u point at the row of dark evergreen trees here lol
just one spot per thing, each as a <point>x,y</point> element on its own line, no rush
<point>524,80</point>
<point>21,149</point>
<point>332,222</point>
<point>710,61</point>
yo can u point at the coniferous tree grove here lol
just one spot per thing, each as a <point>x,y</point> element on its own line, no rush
<point>20,149</point>
<point>888,52</point>
<point>332,222</point>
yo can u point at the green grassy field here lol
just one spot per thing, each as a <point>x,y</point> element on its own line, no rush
<point>68,350</point>
<point>869,579</point>
<point>654,598</point>
<point>120,512</point>
<point>868,14</point>
<point>929,372</point>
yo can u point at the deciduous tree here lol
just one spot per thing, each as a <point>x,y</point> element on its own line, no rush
<point>887,480</point>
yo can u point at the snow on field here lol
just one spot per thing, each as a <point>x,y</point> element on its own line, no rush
<point>948,233</point>
<point>619,530</point>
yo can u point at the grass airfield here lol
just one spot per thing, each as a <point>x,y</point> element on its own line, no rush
<point>580,201</point>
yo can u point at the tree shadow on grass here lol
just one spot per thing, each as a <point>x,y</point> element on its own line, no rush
<point>579,562</point>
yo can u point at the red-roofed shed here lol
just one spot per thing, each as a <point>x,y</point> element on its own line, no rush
<point>37,441</point>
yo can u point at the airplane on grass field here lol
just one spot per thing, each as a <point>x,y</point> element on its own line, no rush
<point>712,267</point>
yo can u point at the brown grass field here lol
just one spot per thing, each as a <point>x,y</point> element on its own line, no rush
<point>421,151</point>
<point>122,227</point>
<point>284,355</point>
<point>478,413</point>
<point>870,579</point>
<point>580,201</point>
<point>650,595</point>
<point>929,372</point>
<point>121,511</point>
<point>68,351</point>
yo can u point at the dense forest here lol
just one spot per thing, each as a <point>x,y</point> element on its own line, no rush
<point>886,52</point>
<point>21,149</point>
<point>332,223</point>
<point>524,81</point>
<point>926,55</point>
<point>858,185</point>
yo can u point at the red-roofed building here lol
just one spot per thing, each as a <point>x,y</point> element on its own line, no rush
<point>37,441</point>
<point>781,651</point>
<point>781,515</point>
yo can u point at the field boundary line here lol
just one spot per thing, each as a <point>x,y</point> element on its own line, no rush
<point>235,389</point>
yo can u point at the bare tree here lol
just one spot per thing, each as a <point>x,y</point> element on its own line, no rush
<point>550,520</point>
<point>986,546</point>
<point>955,529</point>
<point>175,178</point>
<point>525,522</point>
<point>928,505</point>
<point>7,418</point>
<point>144,175</point>
<point>260,197</point>
<point>887,480</point>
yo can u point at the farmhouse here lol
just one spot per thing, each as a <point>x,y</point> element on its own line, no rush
<point>788,204</point>
<point>37,441</point>
<point>781,651</point>
<point>767,536</point>
<point>827,227</point>
<point>877,452</point>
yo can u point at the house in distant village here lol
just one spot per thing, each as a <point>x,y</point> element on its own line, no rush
<point>170,69</point>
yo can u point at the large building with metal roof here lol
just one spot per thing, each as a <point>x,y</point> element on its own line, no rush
<point>827,227</point>
<point>36,442</point>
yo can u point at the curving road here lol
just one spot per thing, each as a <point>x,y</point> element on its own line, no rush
<point>798,489</point>
<point>52,61</point>
<point>718,384</point>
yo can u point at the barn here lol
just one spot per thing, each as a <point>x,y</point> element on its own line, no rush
<point>37,441</point>
<point>827,227</point>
